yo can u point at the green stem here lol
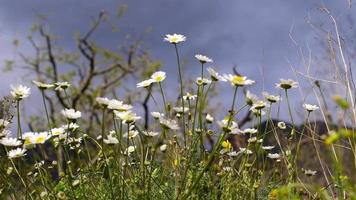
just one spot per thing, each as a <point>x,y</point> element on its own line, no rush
<point>181,94</point>
<point>19,130</point>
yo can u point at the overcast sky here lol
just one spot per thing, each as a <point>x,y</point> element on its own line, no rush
<point>251,34</point>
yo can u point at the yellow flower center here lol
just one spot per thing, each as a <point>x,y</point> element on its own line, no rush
<point>238,80</point>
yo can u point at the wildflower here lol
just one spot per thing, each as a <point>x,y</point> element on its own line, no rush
<point>258,105</point>
<point>131,134</point>
<point>203,59</point>
<point>180,110</point>
<point>174,38</point>
<point>252,140</point>
<point>130,150</point>
<point>245,151</point>
<point>4,123</point>
<point>36,138</point>
<point>267,147</point>
<point>16,153</point>
<point>237,80</point>
<point>248,131</point>
<point>43,86</point>
<point>310,172</point>
<point>209,118</point>
<point>168,124</point>
<point>71,114</point>
<point>231,127</point>
<point>118,105</point>
<point>20,92</point>
<point>150,133</point>
<point>13,142</point>
<point>257,113</point>
<point>145,83</point>
<point>215,76</point>
<point>281,125</point>
<point>202,81</point>
<point>70,127</point>
<point>226,145</point>
<point>233,153</point>
<point>250,98</point>
<point>273,155</point>
<point>271,98</point>
<point>189,96</point>
<point>158,76</point>
<point>163,147</point>
<point>57,131</point>
<point>103,101</point>
<point>286,84</point>
<point>127,116</point>
<point>157,115</point>
<point>310,108</point>
<point>60,86</point>
<point>111,139</point>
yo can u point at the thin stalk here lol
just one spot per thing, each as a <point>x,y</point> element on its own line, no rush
<point>181,94</point>
<point>19,130</point>
<point>163,98</point>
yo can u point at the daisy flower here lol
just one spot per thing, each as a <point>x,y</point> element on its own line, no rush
<point>158,76</point>
<point>248,131</point>
<point>215,76</point>
<point>271,98</point>
<point>174,38</point>
<point>203,59</point>
<point>16,153</point>
<point>286,84</point>
<point>267,147</point>
<point>60,86</point>
<point>168,124</point>
<point>57,131</point>
<point>127,116</point>
<point>310,108</point>
<point>250,98</point>
<point>157,115</point>
<point>145,83</point>
<point>118,105</point>
<point>71,114</point>
<point>131,134</point>
<point>12,142</point>
<point>111,139</point>
<point>37,138</point>
<point>43,86</point>
<point>189,96</point>
<point>20,92</point>
<point>237,80</point>
<point>273,155</point>
<point>209,118</point>
<point>258,105</point>
<point>103,101</point>
<point>202,81</point>
<point>150,133</point>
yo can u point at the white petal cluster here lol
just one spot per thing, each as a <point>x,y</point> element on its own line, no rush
<point>310,107</point>
<point>174,38</point>
<point>16,153</point>
<point>71,114</point>
<point>20,92</point>
<point>286,84</point>
<point>203,59</point>
<point>237,80</point>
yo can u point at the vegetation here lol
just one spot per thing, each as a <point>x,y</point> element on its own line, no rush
<point>91,143</point>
